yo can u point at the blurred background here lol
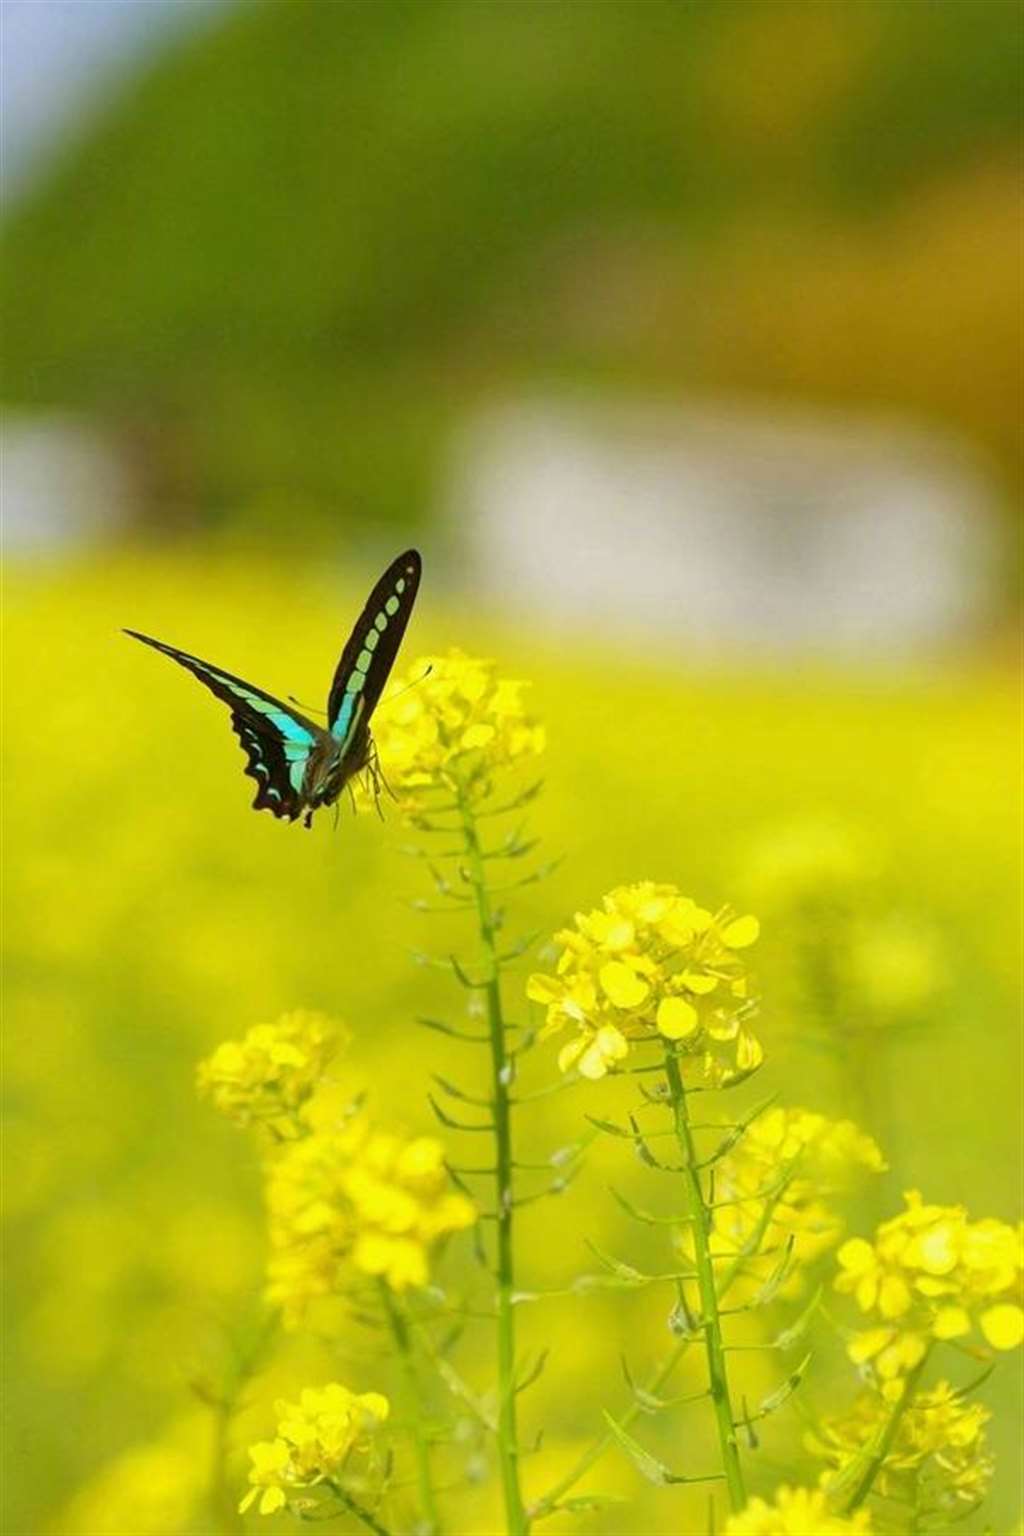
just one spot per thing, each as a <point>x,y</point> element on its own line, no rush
<point>685,340</point>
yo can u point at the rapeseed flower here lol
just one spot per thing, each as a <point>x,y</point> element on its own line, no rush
<point>937,1460</point>
<point>315,1439</point>
<point>932,1273</point>
<point>796,1512</point>
<point>652,965</point>
<point>451,718</point>
<point>270,1074</point>
<point>812,1158</point>
<point>356,1200</point>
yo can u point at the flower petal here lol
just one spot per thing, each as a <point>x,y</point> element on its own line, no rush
<point>676,1018</point>
<point>741,933</point>
<point>1003,1326</point>
<point>622,986</point>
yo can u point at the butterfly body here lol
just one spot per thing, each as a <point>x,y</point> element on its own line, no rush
<point>299,766</point>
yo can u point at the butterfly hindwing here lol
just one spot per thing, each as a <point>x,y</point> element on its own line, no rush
<point>372,646</point>
<point>272,770</point>
<point>277,741</point>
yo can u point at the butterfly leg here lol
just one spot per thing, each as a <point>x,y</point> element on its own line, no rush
<point>378,772</point>
<point>371,768</point>
<point>375,781</point>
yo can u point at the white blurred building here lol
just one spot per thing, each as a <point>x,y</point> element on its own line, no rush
<point>62,484</point>
<point>717,533</point>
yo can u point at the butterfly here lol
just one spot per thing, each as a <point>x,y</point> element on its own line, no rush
<point>299,766</point>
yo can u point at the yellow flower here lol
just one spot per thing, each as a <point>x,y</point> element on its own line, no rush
<point>592,1056</point>
<point>818,1159</point>
<point>1003,1326</point>
<point>451,717</point>
<point>795,1512</point>
<point>650,964</point>
<point>937,1274</point>
<point>936,1460</point>
<point>356,1199</point>
<point>270,1074</point>
<point>315,1438</point>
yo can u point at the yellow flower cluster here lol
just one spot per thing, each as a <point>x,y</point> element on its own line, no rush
<point>821,1156</point>
<point>648,965</point>
<point>938,1456</point>
<point>270,1074</point>
<point>315,1438</point>
<point>932,1273</point>
<point>361,1198</point>
<point>796,1512</point>
<point>452,717</point>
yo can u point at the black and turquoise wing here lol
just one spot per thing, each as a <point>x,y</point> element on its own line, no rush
<point>373,645</point>
<point>276,739</point>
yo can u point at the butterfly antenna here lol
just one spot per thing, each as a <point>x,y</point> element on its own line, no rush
<point>409,686</point>
<point>311,707</point>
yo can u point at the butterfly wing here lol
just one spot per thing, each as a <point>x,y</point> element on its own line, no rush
<point>372,647</point>
<point>277,740</point>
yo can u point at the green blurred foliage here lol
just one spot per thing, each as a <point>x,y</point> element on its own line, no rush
<point>292,252</point>
<point>151,914</point>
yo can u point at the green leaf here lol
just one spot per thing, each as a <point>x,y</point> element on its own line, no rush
<point>770,1288</point>
<point>648,1217</point>
<point>458,1388</point>
<point>584,1503</point>
<point>608,1127</point>
<point>795,1332</point>
<point>625,1272</point>
<point>778,1397</point>
<point>649,1466</point>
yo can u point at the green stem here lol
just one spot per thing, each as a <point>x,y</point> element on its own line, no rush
<point>223,1497</point>
<point>246,1358</point>
<point>546,1505</point>
<point>508,1445</point>
<point>711,1322</point>
<point>398,1323</point>
<point>363,1515</point>
<point>876,1457</point>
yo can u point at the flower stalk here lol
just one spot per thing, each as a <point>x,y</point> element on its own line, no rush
<point>361,1513</point>
<point>876,1455</point>
<point>398,1324</point>
<point>501,1077</point>
<point>711,1322</point>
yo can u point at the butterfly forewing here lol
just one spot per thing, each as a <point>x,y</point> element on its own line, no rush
<point>277,740</point>
<point>372,646</point>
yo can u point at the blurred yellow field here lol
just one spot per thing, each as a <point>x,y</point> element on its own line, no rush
<point>869,822</point>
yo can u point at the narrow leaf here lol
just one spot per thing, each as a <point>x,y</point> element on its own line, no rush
<point>778,1397</point>
<point>608,1127</point>
<point>795,1332</point>
<point>649,1466</point>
